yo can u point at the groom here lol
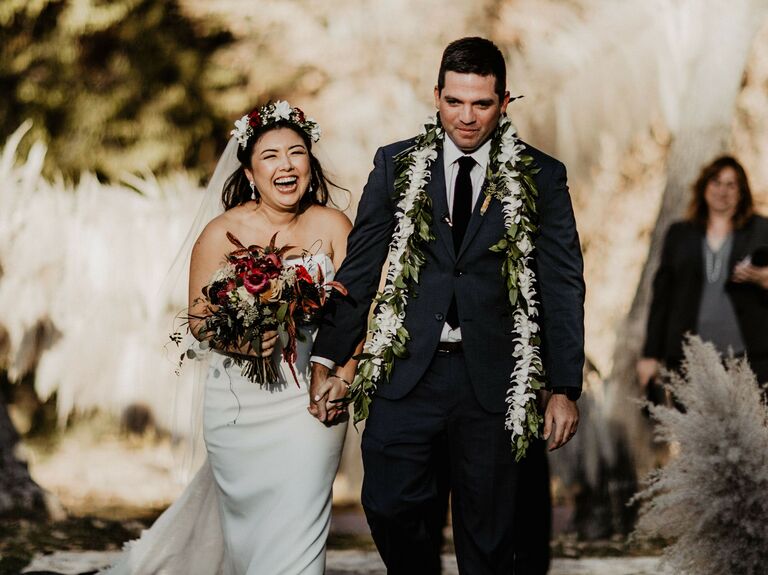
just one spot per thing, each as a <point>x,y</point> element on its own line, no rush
<point>443,408</point>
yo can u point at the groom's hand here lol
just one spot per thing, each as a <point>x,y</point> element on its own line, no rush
<point>319,388</point>
<point>561,419</point>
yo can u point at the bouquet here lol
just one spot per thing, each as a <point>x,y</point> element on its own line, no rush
<point>255,292</point>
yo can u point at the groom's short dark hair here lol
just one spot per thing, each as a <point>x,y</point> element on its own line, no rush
<point>474,55</point>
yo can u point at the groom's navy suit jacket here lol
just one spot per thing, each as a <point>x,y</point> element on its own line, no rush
<point>473,275</point>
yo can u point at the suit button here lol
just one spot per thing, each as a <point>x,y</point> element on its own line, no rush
<point>458,273</point>
<point>439,317</point>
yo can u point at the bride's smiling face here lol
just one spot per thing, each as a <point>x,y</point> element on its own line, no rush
<point>280,168</point>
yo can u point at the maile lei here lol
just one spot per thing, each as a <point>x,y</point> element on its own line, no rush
<point>509,179</point>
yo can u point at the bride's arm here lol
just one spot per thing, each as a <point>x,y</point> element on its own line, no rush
<point>208,255</point>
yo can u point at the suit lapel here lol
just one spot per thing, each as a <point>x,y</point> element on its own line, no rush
<point>475,221</point>
<point>437,191</point>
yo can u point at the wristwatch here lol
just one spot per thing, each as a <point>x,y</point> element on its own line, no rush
<point>572,393</point>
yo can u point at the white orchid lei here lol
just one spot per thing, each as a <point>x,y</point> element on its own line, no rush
<point>509,179</point>
<point>271,113</point>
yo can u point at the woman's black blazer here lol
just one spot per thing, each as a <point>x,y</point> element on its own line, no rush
<point>677,289</point>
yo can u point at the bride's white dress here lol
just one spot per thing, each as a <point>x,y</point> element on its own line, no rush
<point>261,502</point>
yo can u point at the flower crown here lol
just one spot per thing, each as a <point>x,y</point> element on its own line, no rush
<point>272,113</point>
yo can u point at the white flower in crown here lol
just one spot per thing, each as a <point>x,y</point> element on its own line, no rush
<point>314,130</point>
<point>242,130</point>
<point>282,110</point>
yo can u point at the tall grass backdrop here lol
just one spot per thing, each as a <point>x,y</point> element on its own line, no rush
<point>80,292</point>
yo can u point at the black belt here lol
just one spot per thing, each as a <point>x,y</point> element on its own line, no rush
<point>449,347</point>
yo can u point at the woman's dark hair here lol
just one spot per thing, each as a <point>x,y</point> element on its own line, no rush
<point>474,55</point>
<point>237,188</point>
<point>698,211</point>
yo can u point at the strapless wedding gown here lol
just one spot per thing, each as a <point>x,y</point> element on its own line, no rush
<point>261,502</point>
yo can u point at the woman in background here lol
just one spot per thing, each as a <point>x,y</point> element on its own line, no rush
<point>707,282</point>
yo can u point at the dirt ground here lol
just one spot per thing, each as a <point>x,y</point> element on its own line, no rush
<point>109,486</point>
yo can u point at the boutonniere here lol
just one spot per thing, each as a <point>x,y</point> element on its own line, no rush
<point>494,188</point>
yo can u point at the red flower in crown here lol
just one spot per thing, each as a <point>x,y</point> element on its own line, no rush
<point>270,114</point>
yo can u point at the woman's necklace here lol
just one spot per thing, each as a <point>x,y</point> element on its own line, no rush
<point>714,264</point>
<point>714,258</point>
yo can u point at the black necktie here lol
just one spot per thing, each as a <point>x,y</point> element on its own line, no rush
<point>462,210</point>
<point>462,200</point>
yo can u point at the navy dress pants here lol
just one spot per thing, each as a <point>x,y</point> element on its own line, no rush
<point>402,445</point>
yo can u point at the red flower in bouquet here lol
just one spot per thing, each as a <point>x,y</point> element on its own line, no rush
<point>221,291</point>
<point>256,292</point>
<point>270,264</point>
<point>303,275</point>
<point>256,281</point>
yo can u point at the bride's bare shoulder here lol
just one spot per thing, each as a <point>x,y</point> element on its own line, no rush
<point>215,232</point>
<point>329,218</point>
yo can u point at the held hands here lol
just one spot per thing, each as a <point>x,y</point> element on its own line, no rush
<point>325,391</point>
<point>745,272</point>
<point>561,420</point>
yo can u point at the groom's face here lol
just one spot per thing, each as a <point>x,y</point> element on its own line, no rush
<point>469,108</point>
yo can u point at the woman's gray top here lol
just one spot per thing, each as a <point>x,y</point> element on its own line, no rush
<point>717,321</point>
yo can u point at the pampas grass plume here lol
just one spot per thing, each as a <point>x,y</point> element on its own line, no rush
<point>711,500</point>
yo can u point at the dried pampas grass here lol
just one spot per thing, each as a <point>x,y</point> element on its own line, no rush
<point>711,500</point>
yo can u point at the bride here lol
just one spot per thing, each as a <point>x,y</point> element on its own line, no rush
<point>261,502</point>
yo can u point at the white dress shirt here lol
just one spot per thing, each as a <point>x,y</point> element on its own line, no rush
<point>451,156</point>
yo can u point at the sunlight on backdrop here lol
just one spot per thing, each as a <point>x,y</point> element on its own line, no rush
<point>613,88</point>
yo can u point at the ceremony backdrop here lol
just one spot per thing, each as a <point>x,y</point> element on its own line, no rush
<point>112,116</point>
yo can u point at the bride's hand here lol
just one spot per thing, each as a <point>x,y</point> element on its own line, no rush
<point>325,389</point>
<point>268,342</point>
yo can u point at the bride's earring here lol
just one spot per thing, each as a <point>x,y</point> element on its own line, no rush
<point>253,189</point>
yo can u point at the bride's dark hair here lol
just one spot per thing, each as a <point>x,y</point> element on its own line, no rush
<point>237,188</point>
